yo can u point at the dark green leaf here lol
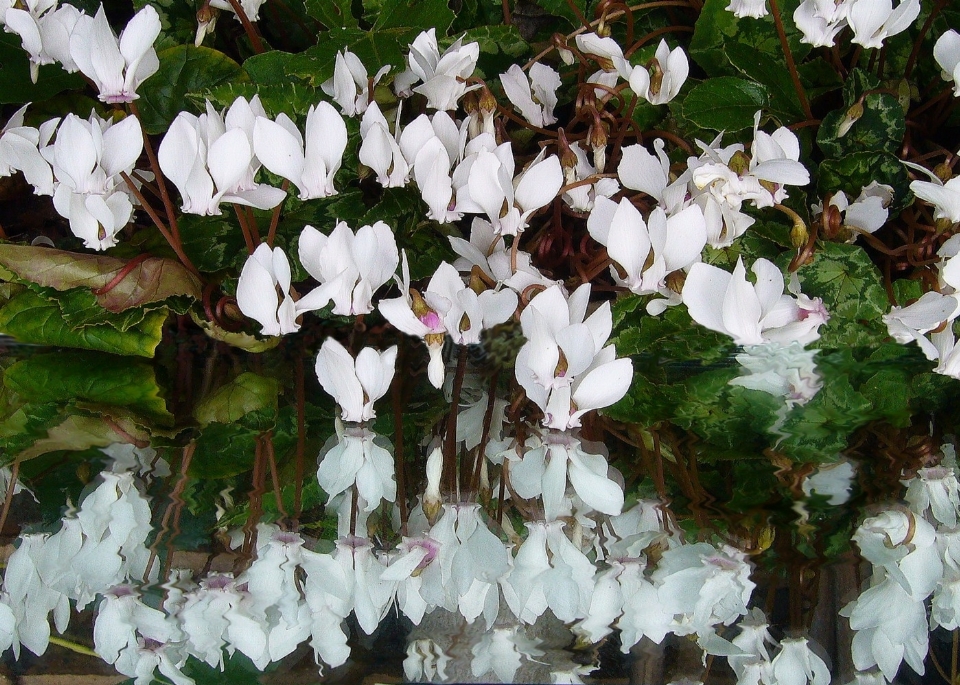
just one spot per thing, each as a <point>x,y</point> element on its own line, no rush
<point>856,170</point>
<point>88,376</point>
<point>852,290</point>
<point>493,39</point>
<point>82,432</point>
<point>212,242</point>
<point>30,318</point>
<point>725,103</point>
<point>332,13</point>
<point>223,450</point>
<point>184,70</point>
<point>881,127</point>
<point>717,29</point>
<point>818,77</point>
<point>418,14</point>
<point>773,74</point>
<point>561,8</point>
<point>15,84</point>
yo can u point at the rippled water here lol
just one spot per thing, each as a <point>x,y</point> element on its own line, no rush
<point>177,505</point>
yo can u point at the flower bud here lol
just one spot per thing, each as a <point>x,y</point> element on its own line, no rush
<point>943,171</point>
<point>850,118</point>
<point>798,235</point>
<point>739,163</point>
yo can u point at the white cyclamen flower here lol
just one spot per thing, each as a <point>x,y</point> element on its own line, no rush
<point>549,572</point>
<point>797,664</point>
<point>935,489</point>
<point>355,385</point>
<point>87,159</point>
<point>535,96</point>
<point>250,7</point>
<point>350,267</point>
<point>20,151</point>
<point>647,252</point>
<point>210,163</point>
<point>545,469</point>
<point>486,185</point>
<point>661,81</point>
<point>350,85</point>
<point>444,75</point>
<point>751,314</point>
<point>44,31</point>
<point>116,66</point>
<point>820,21</point>
<point>748,8</point>
<point>308,161</point>
<point>263,292</point>
<point>945,197</point>
<point>564,366</point>
<point>947,53</point>
<point>358,457</point>
<point>873,21</point>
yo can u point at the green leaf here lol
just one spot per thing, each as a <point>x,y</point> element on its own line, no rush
<point>315,65</point>
<point>493,39</point>
<point>852,290</point>
<point>80,308</point>
<point>852,172</point>
<point>717,29</point>
<point>184,70</point>
<point>419,14</point>
<point>772,73</point>
<point>725,103</point>
<point>15,84</point>
<point>290,96</point>
<point>246,393</point>
<point>212,242</point>
<point>88,376</point>
<point>240,340</point>
<point>881,127</point>
<point>30,318</point>
<point>332,13</point>
<point>152,280</point>
<point>83,432</point>
<point>818,77</point>
<point>672,336</point>
<point>561,8</point>
<point>223,450</point>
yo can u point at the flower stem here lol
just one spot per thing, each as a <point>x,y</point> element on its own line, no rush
<point>791,65</point>
<point>248,27</point>
<point>912,60</point>
<point>171,239</point>
<point>450,443</point>
<point>158,174</point>
<point>245,229</point>
<point>72,646</point>
<point>275,218</point>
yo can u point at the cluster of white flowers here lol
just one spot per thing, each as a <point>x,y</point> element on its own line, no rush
<point>929,320</point>
<point>82,168</point>
<point>915,554</point>
<point>796,662</point>
<point>98,546</point>
<point>79,42</point>
<point>820,21</point>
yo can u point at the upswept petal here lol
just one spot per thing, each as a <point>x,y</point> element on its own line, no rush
<point>338,375</point>
<point>228,159</point>
<point>703,294</point>
<point>279,151</point>
<point>539,184</point>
